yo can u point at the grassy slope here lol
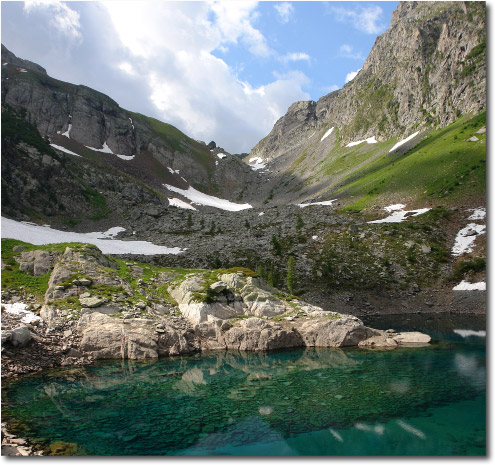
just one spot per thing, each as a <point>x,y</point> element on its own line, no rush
<point>443,168</point>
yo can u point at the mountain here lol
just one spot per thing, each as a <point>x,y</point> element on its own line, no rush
<point>426,72</point>
<point>115,156</point>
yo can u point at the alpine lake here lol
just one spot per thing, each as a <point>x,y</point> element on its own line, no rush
<point>409,401</point>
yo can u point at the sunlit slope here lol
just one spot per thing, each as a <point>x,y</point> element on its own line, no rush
<point>443,168</point>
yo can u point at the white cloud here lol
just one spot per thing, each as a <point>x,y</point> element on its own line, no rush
<point>284,11</point>
<point>189,86</point>
<point>295,56</point>
<point>331,88</point>
<point>365,19</point>
<point>347,51</point>
<point>350,76</point>
<point>63,18</point>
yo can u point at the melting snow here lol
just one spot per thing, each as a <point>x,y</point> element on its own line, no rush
<point>221,155</point>
<point>370,140</point>
<point>407,139</point>
<point>130,119</point>
<point>180,204</point>
<point>173,171</point>
<point>465,238</point>
<point>465,286</point>
<point>67,133</point>
<point>261,213</point>
<point>19,309</point>
<point>469,332</point>
<point>104,149</point>
<point>399,214</point>
<point>39,235</point>
<point>63,149</point>
<point>200,198</point>
<point>327,134</point>
<point>22,70</point>
<point>478,214</point>
<point>126,157</point>
<point>326,202</point>
<point>258,163</point>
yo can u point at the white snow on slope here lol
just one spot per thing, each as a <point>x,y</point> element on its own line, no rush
<point>478,214</point>
<point>200,198</point>
<point>261,213</point>
<point>19,309</point>
<point>130,119</point>
<point>126,157</point>
<point>173,202</point>
<point>104,149</point>
<point>63,149</point>
<point>173,171</point>
<point>258,163</point>
<point>399,214</point>
<point>326,134</point>
<point>370,140</point>
<point>465,286</point>
<point>465,238</point>
<point>67,133</point>
<point>22,70</point>
<point>469,332</point>
<point>40,235</point>
<point>326,202</point>
<point>403,141</point>
<point>221,155</point>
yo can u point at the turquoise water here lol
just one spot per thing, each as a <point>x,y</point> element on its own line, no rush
<point>408,401</point>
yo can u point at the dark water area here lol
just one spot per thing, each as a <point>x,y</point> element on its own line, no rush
<point>408,401</point>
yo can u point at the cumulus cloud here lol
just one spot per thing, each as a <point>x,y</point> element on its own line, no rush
<point>188,85</point>
<point>284,11</point>
<point>63,18</point>
<point>295,56</point>
<point>364,19</point>
<point>347,51</point>
<point>350,76</point>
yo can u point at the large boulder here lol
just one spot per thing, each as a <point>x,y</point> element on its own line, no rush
<point>35,262</point>
<point>18,337</point>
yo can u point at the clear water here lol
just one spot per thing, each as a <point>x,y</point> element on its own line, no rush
<point>408,401</point>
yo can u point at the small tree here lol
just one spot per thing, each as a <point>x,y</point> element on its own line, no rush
<point>259,270</point>
<point>212,228</point>
<point>277,247</point>
<point>299,223</point>
<point>291,274</point>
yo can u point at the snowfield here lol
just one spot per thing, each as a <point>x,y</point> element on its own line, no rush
<point>465,286</point>
<point>104,149</point>
<point>258,163</point>
<point>126,157</point>
<point>466,237</point>
<point>369,140</point>
<point>221,155</point>
<point>403,141</point>
<point>67,133</point>
<point>326,134</point>
<point>41,235</point>
<point>478,214</point>
<point>173,171</point>
<point>63,149</point>
<point>326,202</point>
<point>200,198</point>
<point>399,214</point>
<point>173,202</point>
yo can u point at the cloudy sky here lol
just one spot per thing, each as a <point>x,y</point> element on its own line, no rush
<point>219,70</point>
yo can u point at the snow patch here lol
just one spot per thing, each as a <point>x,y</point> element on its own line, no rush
<point>326,134</point>
<point>465,238</point>
<point>399,214</point>
<point>200,198</point>
<point>221,155</point>
<point>326,202</point>
<point>39,235</point>
<point>104,149</point>
<point>261,213</point>
<point>173,202</point>
<point>67,133</point>
<point>258,163</point>
<point>369,140</point>
<point>19,309</point>
<point>63,149</point>
<point>469,332</point>
<point>22,70</point>
<point>403,141</point>
<point>132,125</point>
<point>126,157</point>
<point>173,171</point>
<point>465,286</point>
<point>314,237</point>
<point>478,214</point>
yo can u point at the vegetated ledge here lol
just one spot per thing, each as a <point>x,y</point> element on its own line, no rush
<point>84,306</point>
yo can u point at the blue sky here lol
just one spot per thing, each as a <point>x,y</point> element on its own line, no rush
<point>223,71</point>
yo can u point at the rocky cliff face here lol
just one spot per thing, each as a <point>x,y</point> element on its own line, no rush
<point>425,71</point>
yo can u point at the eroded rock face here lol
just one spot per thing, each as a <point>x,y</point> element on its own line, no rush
<point>104,337</point>
<point>35,262</point>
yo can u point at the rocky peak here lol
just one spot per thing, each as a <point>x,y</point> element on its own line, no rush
<point>9,57</point>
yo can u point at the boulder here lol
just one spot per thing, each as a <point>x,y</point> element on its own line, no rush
<point>18,337</point>
<point>344,331</point>
<point>413,337</point>
<point>36,262</point>
<point>92,301</point>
